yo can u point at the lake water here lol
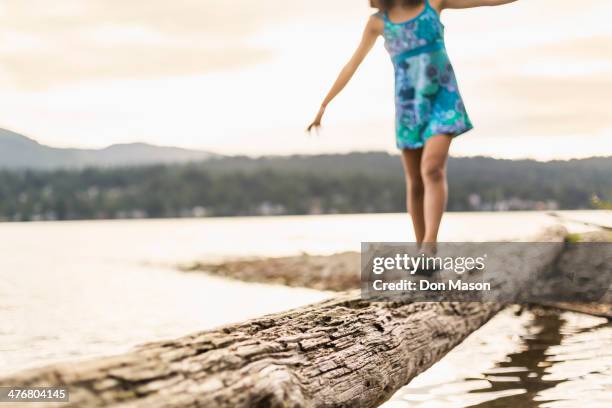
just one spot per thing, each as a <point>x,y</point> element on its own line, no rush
<point>78,289</point>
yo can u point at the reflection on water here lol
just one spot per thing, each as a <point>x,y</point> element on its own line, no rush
<point>557,359</point>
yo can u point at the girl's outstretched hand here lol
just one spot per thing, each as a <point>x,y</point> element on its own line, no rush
<point>316,124</point>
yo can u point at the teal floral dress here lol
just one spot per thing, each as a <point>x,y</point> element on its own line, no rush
<point>427,97</point>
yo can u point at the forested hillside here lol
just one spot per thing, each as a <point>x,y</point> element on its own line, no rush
<point>352,183</point>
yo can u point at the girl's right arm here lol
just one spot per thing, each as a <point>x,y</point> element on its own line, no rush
<point>459,4</point>
<point>373,29</point>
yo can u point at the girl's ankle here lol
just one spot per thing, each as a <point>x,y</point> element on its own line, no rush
<point>429,248</point>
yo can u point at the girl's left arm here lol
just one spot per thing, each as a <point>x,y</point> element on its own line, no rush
<point>459,4</point>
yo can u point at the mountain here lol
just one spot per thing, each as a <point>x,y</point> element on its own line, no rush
<point>20,152</point>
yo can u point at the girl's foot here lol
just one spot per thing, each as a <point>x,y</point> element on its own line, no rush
<point>428,265</point>
<point>429,249</point>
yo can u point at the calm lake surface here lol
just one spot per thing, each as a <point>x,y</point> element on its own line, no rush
<point>79,289</point>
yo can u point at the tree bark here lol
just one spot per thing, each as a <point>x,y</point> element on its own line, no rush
<point>593,309</point>
<point>589,264</point>
<point>344,352</point>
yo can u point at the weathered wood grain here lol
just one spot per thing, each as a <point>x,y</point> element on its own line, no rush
<point>588,264</point>
<point>345,352</point>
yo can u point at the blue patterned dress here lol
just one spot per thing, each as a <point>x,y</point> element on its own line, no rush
<point>427,97</point>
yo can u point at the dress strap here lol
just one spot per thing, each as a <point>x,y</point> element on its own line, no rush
<point>437,13</point>
<point>380,15</point>
<point>386,16</point>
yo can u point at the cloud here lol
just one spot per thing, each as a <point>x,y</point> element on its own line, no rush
<point>546,106</point>
<point>551,89</point>
<point>46,43</point>
<point>81,62</point>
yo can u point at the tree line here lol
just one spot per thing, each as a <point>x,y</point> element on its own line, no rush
<point>296,185</point>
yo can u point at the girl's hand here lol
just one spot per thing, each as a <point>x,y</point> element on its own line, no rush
<point>316,123</point>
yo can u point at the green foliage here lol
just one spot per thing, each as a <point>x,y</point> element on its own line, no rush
<point>599,203</point>
<point>353,183</point>
<point>573,238</point>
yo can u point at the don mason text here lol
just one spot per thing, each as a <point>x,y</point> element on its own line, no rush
<point>426,285</point>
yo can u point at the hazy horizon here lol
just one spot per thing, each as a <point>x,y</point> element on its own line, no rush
<point>245,78</point>
<point>257,156</point>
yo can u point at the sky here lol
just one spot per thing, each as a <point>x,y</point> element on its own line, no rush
<point>246,76</point>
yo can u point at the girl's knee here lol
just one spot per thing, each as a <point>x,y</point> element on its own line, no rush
<point>433,172</point>
<point>416,188</point>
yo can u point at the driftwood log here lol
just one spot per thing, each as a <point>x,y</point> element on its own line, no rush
<point>593,309</point>
<point>337,272</point>
<point>345,352</point>
<point>590,264</point>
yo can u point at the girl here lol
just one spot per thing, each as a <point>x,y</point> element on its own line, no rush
<point>429,108</point>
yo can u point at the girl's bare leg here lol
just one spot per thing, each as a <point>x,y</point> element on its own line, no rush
<point>433,172</point>
<point>415,190</point>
